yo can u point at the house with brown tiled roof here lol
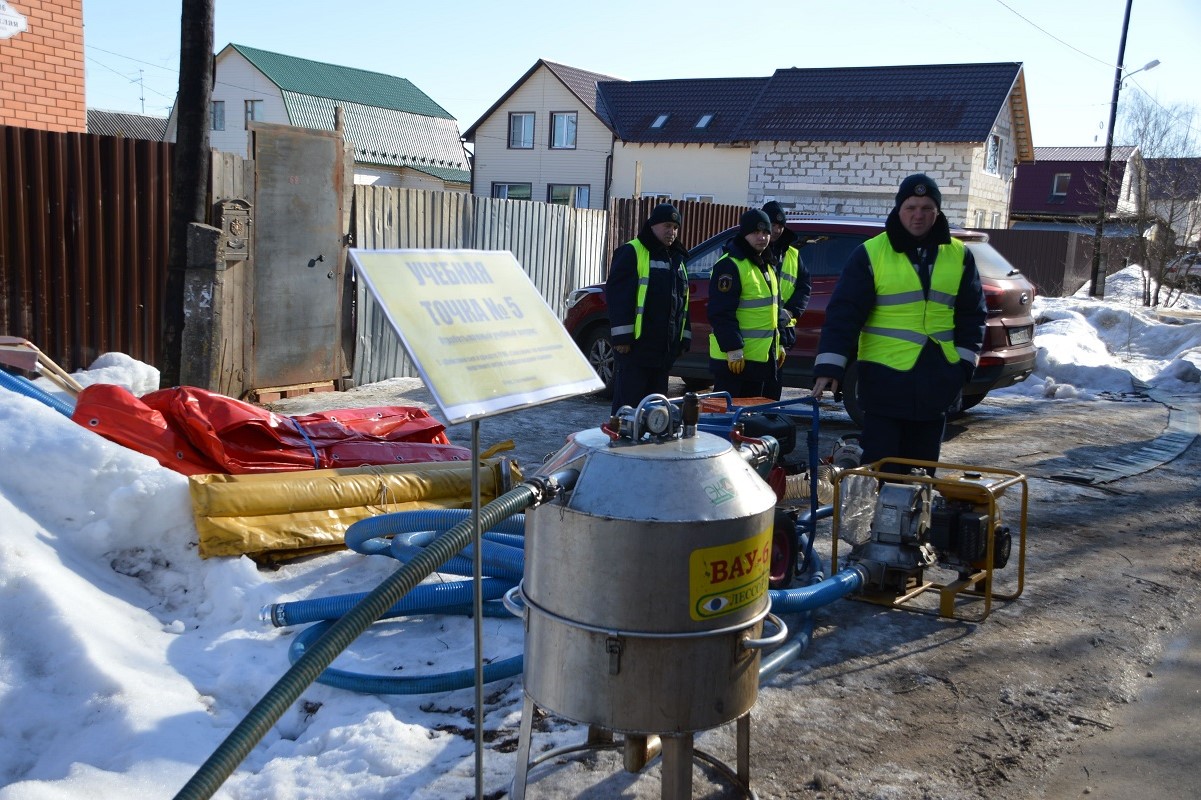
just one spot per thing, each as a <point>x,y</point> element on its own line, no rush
<point>817,140</point>
<point>1060,190</point>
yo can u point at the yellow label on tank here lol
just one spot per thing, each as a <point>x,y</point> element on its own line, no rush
<point>726,578</point>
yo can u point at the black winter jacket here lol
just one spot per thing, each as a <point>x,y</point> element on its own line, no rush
<point>663,317</point>
<point>932,385</point>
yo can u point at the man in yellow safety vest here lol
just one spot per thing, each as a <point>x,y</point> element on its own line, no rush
<point>910,308</point>
<point>647,296</point>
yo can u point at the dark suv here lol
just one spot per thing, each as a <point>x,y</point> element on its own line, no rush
<point>824,245</point>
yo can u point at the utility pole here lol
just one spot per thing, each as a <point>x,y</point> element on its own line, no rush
<point>189,172</point>
<point>1097,286</point>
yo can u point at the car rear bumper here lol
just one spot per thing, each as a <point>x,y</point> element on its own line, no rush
<point>999,376</point>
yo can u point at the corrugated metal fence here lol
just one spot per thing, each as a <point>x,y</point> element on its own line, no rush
<point>701,220</point>
<point>1058,263</point>
<point>560,248</point>
<point>83,243</point>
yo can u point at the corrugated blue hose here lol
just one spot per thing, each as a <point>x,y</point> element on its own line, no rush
<point>22,385</point>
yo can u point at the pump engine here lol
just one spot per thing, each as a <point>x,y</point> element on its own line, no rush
<point>921,525</point>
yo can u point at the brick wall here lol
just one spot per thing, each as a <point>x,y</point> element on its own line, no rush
<point>41,68</point>
<point>861,178</point>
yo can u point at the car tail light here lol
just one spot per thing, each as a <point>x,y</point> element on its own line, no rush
<point>994,299</point>
<point>989,361</point>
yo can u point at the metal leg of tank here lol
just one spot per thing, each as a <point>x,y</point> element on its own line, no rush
<point>677,751</point>
<point>640,750</point>
<point>677,767</point>
<point>517,791</point>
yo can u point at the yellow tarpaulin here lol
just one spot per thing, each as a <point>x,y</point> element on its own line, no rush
<point>276,515</point>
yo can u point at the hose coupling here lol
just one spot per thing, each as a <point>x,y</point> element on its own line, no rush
<point>274,614</point>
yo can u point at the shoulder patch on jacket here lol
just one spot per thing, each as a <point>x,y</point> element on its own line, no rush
<point>725,283</point>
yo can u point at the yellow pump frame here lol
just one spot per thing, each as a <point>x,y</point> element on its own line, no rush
<point>980,582</point>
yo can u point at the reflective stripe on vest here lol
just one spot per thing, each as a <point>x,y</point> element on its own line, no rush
<point>643,262</point>
<point>789,270</point>
<point>903,318</point>
<point>757,312</point>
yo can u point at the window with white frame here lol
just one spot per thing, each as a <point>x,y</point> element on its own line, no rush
<point>700,198</point>
<point>217,115</point>
<point>521,130</point>
<point>979,215</point>
<point>512,191</point>
<point>562,130</point>
<point>568,194</point>
<point>254,110</point>
<point>996,219</point>
<point>992,155</point>
<point>1059,185</point>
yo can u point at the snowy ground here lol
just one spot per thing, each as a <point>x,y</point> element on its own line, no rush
<point>126,659</point>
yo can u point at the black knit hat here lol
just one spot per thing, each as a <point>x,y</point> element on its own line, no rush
<point>753,220</point>
<point>665,212</point>
<point>775,212</point>
<point>919,185</point>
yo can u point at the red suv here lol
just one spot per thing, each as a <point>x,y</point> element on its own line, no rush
<point>824,245</point>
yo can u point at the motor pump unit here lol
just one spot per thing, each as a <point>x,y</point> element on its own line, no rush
<point>920,522</point>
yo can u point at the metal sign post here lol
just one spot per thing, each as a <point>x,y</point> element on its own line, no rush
<point>484,341</point>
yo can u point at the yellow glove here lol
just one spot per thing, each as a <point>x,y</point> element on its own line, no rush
<point>735,361</point>
<point>781,354</point>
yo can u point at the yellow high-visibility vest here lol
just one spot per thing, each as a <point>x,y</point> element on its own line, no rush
<point>904,318</point>
<point>757,312</point>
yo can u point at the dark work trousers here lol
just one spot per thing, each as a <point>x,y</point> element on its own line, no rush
<point>890,437</point>
<point>736,385</point>
<point>632,382</point>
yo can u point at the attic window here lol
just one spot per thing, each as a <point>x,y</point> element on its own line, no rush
<point>704,121</point>
<point>1059,185</point>
<point>660,121</point>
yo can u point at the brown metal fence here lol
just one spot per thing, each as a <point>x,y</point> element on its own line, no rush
<point>1058,263</point>
<point>701,220</point>
<point>83,243</point>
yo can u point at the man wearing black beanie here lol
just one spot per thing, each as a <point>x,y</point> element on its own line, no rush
<point>910,308</point>
<point>647,295</point>
<point>744,303</point>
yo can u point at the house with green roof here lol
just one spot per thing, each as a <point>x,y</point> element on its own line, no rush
<point>399,135</point>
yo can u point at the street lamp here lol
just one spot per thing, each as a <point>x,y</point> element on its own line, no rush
<point>1097,286</point>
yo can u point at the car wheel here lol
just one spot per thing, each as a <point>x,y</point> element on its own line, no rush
<point>850,393</point>
<point>598,349</point>
<point>969,401</point>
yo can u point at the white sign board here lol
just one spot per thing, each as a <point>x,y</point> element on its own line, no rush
<point>481,335</point>
<point>11,21</point>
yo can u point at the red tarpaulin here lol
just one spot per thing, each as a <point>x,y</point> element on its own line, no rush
<point>194,431</point>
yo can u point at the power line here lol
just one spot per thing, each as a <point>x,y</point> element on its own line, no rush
<point>1053,36</point>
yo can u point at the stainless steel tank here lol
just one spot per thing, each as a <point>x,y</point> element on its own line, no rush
<point>645,585</point>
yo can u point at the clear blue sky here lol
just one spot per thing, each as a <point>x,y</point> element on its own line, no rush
<point>466,54</point>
